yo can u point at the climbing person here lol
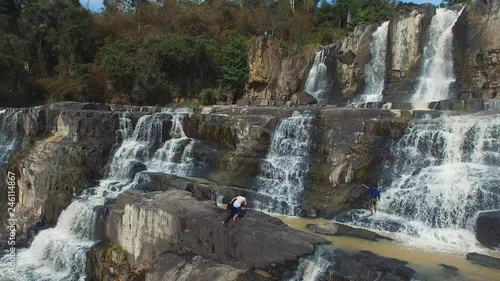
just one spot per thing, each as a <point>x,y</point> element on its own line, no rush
<point>374,197</point>
<point>230,211</point>
<point>238,202</point>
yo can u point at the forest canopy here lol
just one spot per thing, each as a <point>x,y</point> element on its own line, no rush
<point>155,52</point>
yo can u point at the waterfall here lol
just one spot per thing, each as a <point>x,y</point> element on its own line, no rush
<point>286,165</point>
<point>437,71</point>
<point>314,267</point>
<point>9,122</point>
<point>375,71</point>
<point>176,155</point>
<point>59,253</point>
<point>318,78</point>
<point>445,171</point>
<point>311,269</point>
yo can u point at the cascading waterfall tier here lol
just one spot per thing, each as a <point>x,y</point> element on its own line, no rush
<point>445,171</point>
<point>176,154</point>
<point>286,165</point>
<point>312,268</point>
<point>317,81</point>
<point>437,71</point>
<point>375,71</point>
<point>9,122</point>
<point>59,253</point>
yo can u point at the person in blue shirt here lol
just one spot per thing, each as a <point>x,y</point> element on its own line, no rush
<point>374,197</point>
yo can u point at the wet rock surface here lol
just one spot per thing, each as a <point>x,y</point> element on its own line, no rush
<point>184,268</point>
<point>337,229</point>
<point>368,266</point>
<point>488,228</point>
<point>175,221</point>
<point>484,260</point>
<point>359,266</point>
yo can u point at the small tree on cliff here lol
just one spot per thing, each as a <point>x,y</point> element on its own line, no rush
<point>234,66</point>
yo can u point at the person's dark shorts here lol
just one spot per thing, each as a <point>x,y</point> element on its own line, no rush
<point>373,202</point>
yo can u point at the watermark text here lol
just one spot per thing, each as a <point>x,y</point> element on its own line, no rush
<point>11,221</point>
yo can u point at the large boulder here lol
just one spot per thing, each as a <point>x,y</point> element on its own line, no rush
<point>182,268</point>
<point>367,266</point>
<point>145,224</point>
<point>488,228</point>
<point>303,98</point>
<point>331,264</point>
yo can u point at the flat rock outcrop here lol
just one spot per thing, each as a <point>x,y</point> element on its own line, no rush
<point>484,260</point>
<point>145,224</point>
<point>337,229</point>
<point>175,267</point>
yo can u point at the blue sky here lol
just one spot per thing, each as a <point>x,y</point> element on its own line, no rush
<point>96,5</point>
<point>435,2</point>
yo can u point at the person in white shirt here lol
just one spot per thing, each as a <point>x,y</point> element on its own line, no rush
<point>237,202</point>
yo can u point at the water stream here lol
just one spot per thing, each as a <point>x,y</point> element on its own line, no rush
<point>9,138</point>
<point>59,253</point>
<point>443,172</point>
<point>286,165</point>
<point>317,80</point>
<point>375,70</point>
<point>437,70</point>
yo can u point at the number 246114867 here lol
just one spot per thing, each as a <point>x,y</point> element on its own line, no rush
<point>11,192</point>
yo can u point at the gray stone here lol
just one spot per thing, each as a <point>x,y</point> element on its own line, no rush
<point>365,266</point>
<point>175,267</point>
<point>484,260</point>
<point>336,229</point>
<point>488,228</point>
<point>188,225</point>
<point>303,98</point>
<point>348,57</point>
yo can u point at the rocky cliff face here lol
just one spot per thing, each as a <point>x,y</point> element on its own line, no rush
<point>477,51</point>
<point>65,148</point>
<point>274,77</point>
<point>351,72</point>
<point>407,37</point>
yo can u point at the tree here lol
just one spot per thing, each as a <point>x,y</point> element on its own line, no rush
<point>234,66</point>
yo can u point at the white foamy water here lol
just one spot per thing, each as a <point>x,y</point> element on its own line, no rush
<point>59,254</point>
<point>375,70</point>
<point>286,165</point>
<point>311,268</point>
<point>445,171</point>
<point>9,133</point>
<point>437,71</point>
<point>317,79</point>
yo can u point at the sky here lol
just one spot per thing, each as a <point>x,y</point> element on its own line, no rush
<point>93,5</point>
<point>96,5</point>
<point>435,2</point>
